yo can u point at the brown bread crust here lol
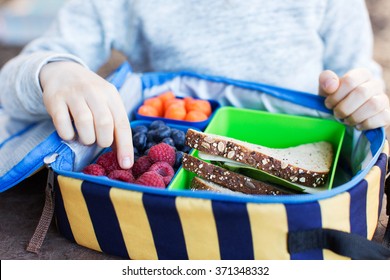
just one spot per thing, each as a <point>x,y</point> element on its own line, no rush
<point>198,183</point>
<point>226,178</point>
<point>228,148</point>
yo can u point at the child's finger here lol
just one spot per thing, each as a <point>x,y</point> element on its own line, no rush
<point>122,134</point>
<point>62,121</point>
<point>381,119</point>
<point>348,83</point>
<point>83,120</point>
<point>103,121</point>
<point>359,96</point>
<point>372,107</point>
<point>329,82</point>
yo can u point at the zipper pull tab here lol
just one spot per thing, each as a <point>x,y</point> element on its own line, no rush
<point>50,158</point>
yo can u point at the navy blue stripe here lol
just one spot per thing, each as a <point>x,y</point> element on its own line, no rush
<point>302,217</point>
<point>381,163</point>
<point>234,231</point>
<point>60,213</point>
<point>358,208</point>
<point>104,220</point>
<point>166,227</point>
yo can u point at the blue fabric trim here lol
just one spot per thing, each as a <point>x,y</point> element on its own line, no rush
<point>30,163</point>
<point>118,77</point>
<point>375,136</point>
<point>65,159</point>
<point>150,80</point>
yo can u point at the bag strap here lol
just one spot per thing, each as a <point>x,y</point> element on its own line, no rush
<point>346,244</point>
<point>343,243</point>
<point>40,232</point>
<point>386,237</point>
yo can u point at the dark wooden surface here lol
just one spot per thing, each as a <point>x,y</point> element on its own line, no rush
<point>20,210</point>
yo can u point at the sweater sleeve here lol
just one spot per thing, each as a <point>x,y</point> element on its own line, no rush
<point>348,38</point>
<point>76,35</point>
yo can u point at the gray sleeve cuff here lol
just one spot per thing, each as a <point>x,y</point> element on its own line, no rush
<point>52,58</point>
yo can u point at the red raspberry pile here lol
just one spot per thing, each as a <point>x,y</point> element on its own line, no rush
<point>154,169</point>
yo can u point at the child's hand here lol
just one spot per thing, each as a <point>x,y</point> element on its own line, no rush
<point>73,93</point>
<point>357,97</point>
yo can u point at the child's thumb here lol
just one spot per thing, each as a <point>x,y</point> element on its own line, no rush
<point>329,82</point>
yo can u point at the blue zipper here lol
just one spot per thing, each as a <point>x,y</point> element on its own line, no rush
<point>6,184</point>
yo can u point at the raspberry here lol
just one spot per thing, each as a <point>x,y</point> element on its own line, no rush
<point>94,169</point>
<point>141,165</point>
<point>164,169</point>
<point>122,175</point>
<point>109,161</point>
<point>151,178</point>
<point>162,152</point>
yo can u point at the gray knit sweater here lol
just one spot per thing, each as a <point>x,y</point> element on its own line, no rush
<point>285,43</point>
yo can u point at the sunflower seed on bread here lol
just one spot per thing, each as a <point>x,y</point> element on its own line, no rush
<point>307,164</point>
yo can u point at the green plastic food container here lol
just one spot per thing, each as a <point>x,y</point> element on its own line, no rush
<point>270,130</point>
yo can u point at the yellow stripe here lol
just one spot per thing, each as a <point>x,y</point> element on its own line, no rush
<point>335,214</point>
<point>269,229</point>
<point>199,228</point>
<point>373,189</point>
<point>386,148</point>
<point>77,213</point>
<point>134,224</point>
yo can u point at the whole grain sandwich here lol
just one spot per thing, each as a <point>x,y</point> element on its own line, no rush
<point>307,165</point>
